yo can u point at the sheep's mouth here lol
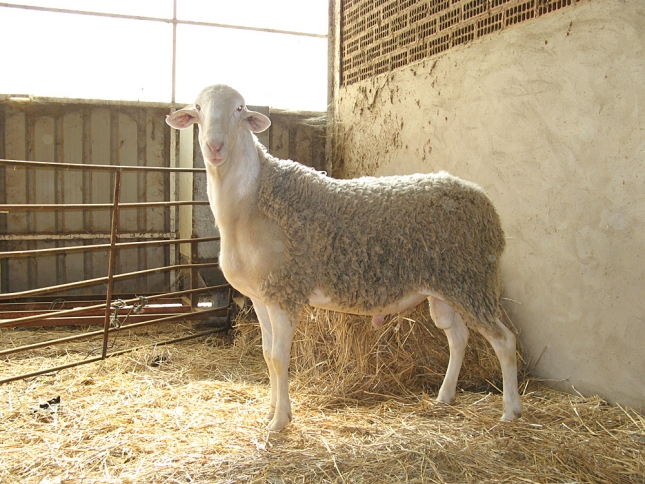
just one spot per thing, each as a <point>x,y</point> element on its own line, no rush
<point>216,161</point>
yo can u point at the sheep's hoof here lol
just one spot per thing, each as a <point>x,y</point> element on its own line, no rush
<point>278,424</point>
<point>447,399</point>
<point>510,415</point>
<point>512,411</point>
<point>270,413</point>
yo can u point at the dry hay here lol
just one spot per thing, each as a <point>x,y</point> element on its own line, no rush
<point>363,412</point>
<point>345,360</point>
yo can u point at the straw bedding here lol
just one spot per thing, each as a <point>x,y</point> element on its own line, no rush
<point>363,413</point>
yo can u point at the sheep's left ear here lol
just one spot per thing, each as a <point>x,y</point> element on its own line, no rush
<point>183,118</point>
<point>256,122</point>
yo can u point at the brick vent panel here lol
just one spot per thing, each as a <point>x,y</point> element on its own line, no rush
<point>378,36</point>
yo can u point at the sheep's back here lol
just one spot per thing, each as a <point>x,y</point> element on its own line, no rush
<point>368,242</point>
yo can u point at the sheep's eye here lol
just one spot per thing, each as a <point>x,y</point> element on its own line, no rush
<point>198,107</point>
<point>240,108</point>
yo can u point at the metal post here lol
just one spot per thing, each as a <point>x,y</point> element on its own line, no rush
<point>174,53</point>
<point>194,275</point>
<point>229,311</point>
<point>112,261</point>
<point>174,158</point>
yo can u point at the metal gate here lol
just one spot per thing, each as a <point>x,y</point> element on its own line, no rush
<point>100,245</point>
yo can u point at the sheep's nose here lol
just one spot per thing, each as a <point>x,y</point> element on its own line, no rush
<point>214,147</point>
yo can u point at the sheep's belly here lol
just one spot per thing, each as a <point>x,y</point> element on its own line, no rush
<point>318,299</point>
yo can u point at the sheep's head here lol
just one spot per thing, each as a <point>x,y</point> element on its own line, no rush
<point>221,114</point>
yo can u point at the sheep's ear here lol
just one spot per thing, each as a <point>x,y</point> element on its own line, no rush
<point>183,118</point>
<point>257,122</point>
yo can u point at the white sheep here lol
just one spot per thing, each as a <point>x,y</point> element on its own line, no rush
<point>374,246</point>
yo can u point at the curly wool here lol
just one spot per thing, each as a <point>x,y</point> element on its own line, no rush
<point>368,242</point>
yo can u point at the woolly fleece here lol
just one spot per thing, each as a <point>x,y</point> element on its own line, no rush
<point>368,242</point>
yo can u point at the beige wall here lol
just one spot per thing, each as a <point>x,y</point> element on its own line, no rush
<point>548,117</point>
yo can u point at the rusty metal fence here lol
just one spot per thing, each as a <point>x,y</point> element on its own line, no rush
<point>35,308</point>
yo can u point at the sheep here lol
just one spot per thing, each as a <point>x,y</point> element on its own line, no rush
<point>292,236</point>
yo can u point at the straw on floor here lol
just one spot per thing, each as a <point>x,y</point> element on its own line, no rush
<point>363,413</point>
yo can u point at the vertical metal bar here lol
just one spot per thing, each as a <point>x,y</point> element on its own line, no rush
<point>229,310</point>
<point>4,263</point>
<point>112,261</point>
<point>174,50</point>
<point>142,191</point>
<point>59,197</point>
<point>86,193</point>
<point>173,251</point>
<point>30,181</point>
<point>194,275</point>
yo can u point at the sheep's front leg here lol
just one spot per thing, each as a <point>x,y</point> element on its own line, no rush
<point>446,318</point>
<point>503,342</point>
<point>283,328</point>
<point>267,345</point>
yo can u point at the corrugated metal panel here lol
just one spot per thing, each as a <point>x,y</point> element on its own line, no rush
<point>299,136</point>
<point>89,134</point>
<point>109,134</point>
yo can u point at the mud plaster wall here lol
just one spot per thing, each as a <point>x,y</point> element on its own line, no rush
<point>548,118</point>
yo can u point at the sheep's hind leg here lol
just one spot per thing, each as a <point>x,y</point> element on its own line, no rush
<point>446,318</point>
<point>267,345</point>
<point>283,328</point>
<point>503,342</point>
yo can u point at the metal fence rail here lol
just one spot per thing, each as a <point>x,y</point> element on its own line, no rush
<point>23,309</point>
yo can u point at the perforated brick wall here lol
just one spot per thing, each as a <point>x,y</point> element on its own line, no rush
<point>379,36</point>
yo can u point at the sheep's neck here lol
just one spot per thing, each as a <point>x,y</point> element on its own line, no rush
<point>233,187</point>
